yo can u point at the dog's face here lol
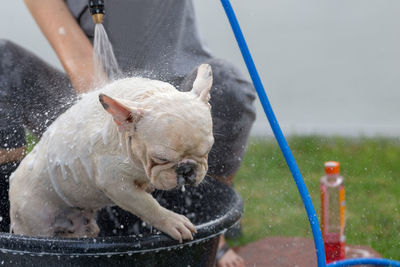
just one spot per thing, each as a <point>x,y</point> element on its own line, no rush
<point>171,137</point>
<point>177,144</point>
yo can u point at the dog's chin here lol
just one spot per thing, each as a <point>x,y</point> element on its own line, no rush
<point>165,183</point>
<point>162,185</point>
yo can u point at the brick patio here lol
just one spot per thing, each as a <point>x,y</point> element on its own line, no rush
<point>290,252</point>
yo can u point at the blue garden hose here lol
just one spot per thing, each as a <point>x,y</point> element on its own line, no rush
<point>294,169</point>
<point>370,261</point>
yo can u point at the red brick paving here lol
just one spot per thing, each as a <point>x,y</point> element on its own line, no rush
<point>291,251</point>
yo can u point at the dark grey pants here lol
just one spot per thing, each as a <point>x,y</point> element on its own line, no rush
<point>33,94</point>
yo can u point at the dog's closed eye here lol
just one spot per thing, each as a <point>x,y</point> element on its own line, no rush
<point>159,160</point>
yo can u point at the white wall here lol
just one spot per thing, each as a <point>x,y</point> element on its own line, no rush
<point>330,67</point>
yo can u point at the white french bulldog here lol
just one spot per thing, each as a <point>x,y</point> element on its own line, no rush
<point>156,137</point>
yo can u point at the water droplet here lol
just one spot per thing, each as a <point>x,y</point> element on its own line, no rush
<point>62,31</point>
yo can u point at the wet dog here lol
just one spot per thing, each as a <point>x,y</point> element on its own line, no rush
<point>112,148</point>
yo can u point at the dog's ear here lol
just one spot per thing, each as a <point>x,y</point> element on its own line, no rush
<point>124,116</point>
<point>203,82</point>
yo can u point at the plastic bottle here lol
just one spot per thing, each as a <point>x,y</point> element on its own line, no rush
<point>333,207</point>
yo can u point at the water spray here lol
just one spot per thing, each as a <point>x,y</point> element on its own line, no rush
<point>96,8</point>
<point>105,64</point>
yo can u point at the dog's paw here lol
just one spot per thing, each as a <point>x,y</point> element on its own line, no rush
<point>176,225</point>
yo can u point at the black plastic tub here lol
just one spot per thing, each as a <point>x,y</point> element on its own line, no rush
<point>213,207</point>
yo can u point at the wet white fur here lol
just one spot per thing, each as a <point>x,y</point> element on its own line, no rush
<point>83,163</point>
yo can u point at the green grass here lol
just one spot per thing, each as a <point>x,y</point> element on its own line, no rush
<point>30,142</point>
<point>370,166</point>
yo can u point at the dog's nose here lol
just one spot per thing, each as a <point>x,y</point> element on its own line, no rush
<point>186,173</point>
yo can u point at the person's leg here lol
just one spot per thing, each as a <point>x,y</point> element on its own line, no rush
<point>233,114</point>
<point>33,94</point>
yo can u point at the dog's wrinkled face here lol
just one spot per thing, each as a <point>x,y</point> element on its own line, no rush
<point>172,137</point>
<point>177,146</point>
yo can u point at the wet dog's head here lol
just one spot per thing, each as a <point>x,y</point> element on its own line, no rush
<point>170,135</point>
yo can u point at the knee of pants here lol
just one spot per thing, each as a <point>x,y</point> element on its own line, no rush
<point>12,133</point>
<point>6,54</point>
<point>233,113</point>
<point>7,64</point>
<point>3,45</point>
<point>232,95</point>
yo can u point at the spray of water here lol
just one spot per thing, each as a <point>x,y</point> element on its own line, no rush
<point>106,66</point>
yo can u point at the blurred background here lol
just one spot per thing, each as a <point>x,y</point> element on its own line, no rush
<point>329,67</point>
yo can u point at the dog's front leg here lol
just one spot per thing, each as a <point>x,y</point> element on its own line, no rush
<point>127,195</point>
<point>142,204</point>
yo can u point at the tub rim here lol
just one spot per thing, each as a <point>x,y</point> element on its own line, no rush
<point>114,245</point>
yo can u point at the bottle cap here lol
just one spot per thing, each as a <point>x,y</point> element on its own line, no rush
<point>332,167</point>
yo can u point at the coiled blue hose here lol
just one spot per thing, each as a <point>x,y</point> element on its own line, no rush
<point>294,169</point>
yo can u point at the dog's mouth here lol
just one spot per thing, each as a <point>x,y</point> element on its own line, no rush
<point>169,175</point>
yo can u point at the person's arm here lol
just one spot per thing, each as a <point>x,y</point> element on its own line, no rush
<point>68,40</point>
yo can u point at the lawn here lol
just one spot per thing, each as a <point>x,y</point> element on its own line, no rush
<point>370,166</point>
